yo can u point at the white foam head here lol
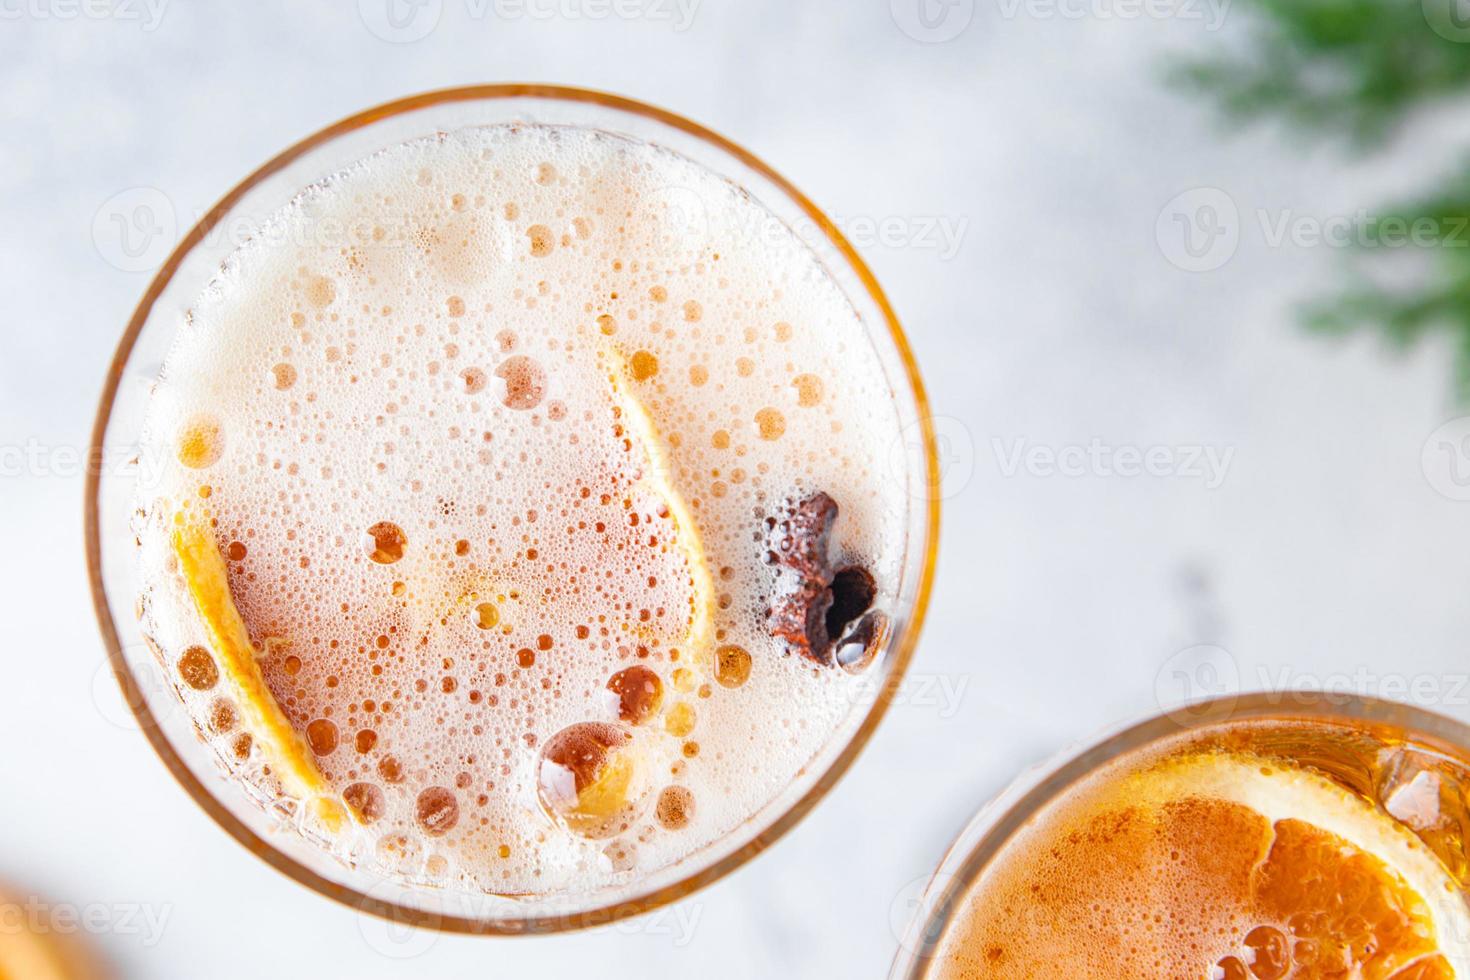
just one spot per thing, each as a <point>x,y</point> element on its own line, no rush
<point>425,341</point>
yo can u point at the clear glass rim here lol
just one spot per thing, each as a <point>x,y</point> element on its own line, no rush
<point>998,821</point>
<point>899,655</point>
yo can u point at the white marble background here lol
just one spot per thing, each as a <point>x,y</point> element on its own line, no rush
<point>1048,147</point>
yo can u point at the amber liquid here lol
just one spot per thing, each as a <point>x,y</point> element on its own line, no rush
<point>1385,767</point>
<point>1103,885</point>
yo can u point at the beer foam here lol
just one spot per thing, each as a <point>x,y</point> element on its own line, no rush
<point>1162,866</point>
<point>395,404</point>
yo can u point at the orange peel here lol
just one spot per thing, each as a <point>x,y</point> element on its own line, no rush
<point>699,636</point>
<point>207,579</point>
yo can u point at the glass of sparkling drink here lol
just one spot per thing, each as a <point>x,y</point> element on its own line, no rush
<point>1292,835</point>
<point>529,509</point>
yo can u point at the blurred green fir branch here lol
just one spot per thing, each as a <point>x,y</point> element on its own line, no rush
<point>1353,67</point>
<point>1356,69</point>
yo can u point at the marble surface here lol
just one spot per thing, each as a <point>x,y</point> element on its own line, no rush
<point>1030,159</point>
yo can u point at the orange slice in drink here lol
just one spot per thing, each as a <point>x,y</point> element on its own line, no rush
<point>285,750</point>
<point>635,419</point>
<point>1322,883</point>
<point>1216,865</point>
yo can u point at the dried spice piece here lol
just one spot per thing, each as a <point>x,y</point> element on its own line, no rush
<point>821,601</point>
<point>861,644</point>
<point>853,591</point>
<point>800,618</point>
<point>799,539</point>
